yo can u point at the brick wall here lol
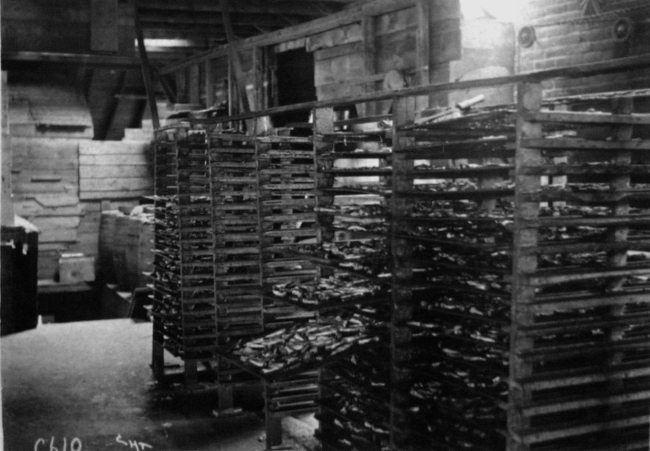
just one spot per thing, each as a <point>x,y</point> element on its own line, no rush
<point>561,45</point>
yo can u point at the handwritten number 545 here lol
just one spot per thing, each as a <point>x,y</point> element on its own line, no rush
<point>138,446</point>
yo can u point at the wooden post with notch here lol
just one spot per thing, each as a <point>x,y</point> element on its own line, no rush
<point>146,71</point>
<point>524,264</point>
<point>369,61</point>
<point>234,57</point>
<point>423,44</point>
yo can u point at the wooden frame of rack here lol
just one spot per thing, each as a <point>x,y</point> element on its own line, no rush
<point>533,420</point>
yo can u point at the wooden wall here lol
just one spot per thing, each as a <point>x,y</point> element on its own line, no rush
<point>65,26</point>
<point>114,170</point>
<point>6,203</point>
<point>61,178</point>
<point>418,41</point>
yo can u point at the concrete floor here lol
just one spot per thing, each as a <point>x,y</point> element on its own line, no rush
<point>91,381</point>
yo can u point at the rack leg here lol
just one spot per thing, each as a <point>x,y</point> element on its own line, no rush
<point>273,430</point>
<point>158,361</point>
<point>225,397</point>
<point>191,373</point>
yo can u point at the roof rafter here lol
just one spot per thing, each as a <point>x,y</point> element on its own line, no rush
<point>299,7</point>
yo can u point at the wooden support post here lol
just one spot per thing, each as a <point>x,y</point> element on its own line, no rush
<point>523,293</point>
<point>195,84</point>
<point>403,114</point>
<point>166,84</point>
<point>209,84</point>
<point>422,45</point>
<point>6,206</point>
<point>234,57</point>
<point>273,423</point>
<point>617,234</point>
<point>191,373</point>
<point>273,431</point>
<point>258,75</point>
<point>226,396</point>
<point>146,72</point>
<point>158,361</point>
<point>369,61</point>
<point>181,86</point>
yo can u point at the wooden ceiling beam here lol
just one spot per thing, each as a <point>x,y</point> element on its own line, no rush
<point>238,20</point>
<point>208,34</point>
<point>299,7</point>
<point>218,30</point>
<point>234,57</point>
<point>84,60</point>
<point>345,17</point>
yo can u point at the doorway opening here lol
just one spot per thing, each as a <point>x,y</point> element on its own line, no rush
<point>294,76</point>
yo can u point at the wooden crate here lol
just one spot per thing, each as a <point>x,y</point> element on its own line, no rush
<point>76,268</point>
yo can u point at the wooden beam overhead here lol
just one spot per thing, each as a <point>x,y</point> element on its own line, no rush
<point>207,34</point>
<point>125,62</point>
<point>216,18</point>
<point>187,29</point>
<point>299,7</point>
<point>146,72</point>
<point>234,57</point>
<point>345,17</point>
<point>618,65</point>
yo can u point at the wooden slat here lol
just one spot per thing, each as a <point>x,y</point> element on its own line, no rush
<point>109,184</point>
<point>102,160</point>
<point>45,148</point>
<point>44,188</point>
<point>583,377</point>
<point>589,118</point>
<point>585,403</point>
<point>29,208</point>
<point>543,435</point>
<point>88,195</point>
<point>543,278</point>
<point>585,144</point>
<point>587,169</point>
<point>112,148</point>
<point>338,51</point>
<point>588,197</point>
<point>114,171</point>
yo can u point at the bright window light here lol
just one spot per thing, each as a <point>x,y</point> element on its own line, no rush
<point>502,10</point>
<point>167,43</point>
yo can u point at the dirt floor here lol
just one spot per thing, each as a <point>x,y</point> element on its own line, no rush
<point>88,386</point>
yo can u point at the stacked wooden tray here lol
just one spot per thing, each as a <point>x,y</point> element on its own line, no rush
<point>184,306</point>
<point>354,188</point>
<point>236,246</point>
<point>287,200</point>
<point>288,222</point>
<point>580,357</point>
<point>452,226</point>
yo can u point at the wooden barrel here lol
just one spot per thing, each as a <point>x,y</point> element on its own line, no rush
<point>120,246</point>
<point>106,246</point>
